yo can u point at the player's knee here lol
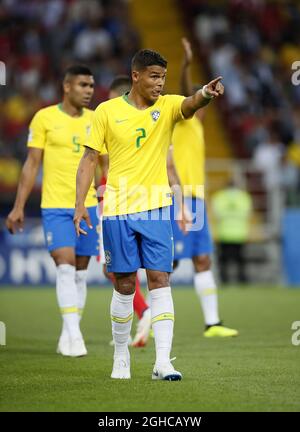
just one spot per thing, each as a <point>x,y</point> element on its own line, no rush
<point>202,263</point>
<point>125,283</point>
<point>158,279</point>
<point>82,262</point>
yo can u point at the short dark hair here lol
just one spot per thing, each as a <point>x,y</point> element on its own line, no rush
<point>74,70</point>
<point>146,57</point>
<point>121,83</point>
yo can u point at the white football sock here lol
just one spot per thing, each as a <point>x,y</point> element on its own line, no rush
<point>80,279</point>
<point>162,314</point>
<point>67,298</point>
<point>121,311</point>
<point>206,290</point>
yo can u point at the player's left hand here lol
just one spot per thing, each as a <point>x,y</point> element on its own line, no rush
<point>80,214</point>
<point>215,88</point>
<point>184,219</point>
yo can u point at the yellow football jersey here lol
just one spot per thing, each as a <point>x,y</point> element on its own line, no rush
<point>137,143</point>
<point>61,136</point>
<point>189,156</point>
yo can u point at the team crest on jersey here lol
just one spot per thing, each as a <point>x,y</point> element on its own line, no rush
<point>155,115</point>
<point>107,257</point>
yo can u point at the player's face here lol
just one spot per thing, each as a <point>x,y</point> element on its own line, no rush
<point>150,82</point>
<point>80,90</point>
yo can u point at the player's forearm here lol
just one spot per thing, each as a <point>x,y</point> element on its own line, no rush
<point>186,85</point>
<point>172,175</point>
<point>174,180</point>
<point>104,162</point>
<point>202,97</point>
<point>193,103</point>
<point>26,183</point>
<point>85,174</point>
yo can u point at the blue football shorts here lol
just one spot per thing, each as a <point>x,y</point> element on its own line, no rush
<point>198,240</point>
<point>59,231</point>
<point>139,240</point>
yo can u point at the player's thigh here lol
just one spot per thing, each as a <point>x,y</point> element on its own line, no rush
<point>88,245</point>
<point>120,246</point>
<point>64,255</point>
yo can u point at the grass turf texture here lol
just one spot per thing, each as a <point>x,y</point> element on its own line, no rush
<point>258,371</point>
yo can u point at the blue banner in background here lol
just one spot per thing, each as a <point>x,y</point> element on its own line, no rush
<point>291,246</point>
<point>24,260</point>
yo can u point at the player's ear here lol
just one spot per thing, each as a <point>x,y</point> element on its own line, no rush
<point>135,76</point>
<point>66,86</point>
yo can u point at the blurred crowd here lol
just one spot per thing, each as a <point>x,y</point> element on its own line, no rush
<point>253,45</point>
<point>38,40</point>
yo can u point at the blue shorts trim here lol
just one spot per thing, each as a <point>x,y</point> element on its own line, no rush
<point>60,232</point>
<point>139,240</point>
<point>198,241</point>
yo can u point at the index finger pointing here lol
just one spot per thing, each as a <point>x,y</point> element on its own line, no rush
<point>216,80</point>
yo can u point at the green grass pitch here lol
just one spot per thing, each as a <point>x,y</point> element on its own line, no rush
<point>258,371</point>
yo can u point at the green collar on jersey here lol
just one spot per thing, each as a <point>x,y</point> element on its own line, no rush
<point>126,99</point>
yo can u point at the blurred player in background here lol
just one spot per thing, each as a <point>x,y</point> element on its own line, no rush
<point>188,156</point>
<point>120,85</point>
<point>56,135</point>
<point>136,131</point>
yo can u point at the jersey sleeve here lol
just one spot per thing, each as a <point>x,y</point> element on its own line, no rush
<point>37,132</point>
<point>175,103</point>
<point>96,139</point>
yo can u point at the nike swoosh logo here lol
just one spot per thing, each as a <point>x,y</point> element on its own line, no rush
<point>155,373</point>
<point>121,121</point>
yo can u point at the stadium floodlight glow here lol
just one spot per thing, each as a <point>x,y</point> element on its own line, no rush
<point>2,73</point>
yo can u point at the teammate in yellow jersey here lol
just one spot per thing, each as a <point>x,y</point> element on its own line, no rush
<point>56,137</point>
<point>136,131</point>
<point>189,158</point>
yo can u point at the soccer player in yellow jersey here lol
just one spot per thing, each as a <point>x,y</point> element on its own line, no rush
<point>120,85</point>
<point>136,131</point>
<point>189,156</point>
<point>56,137</point>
